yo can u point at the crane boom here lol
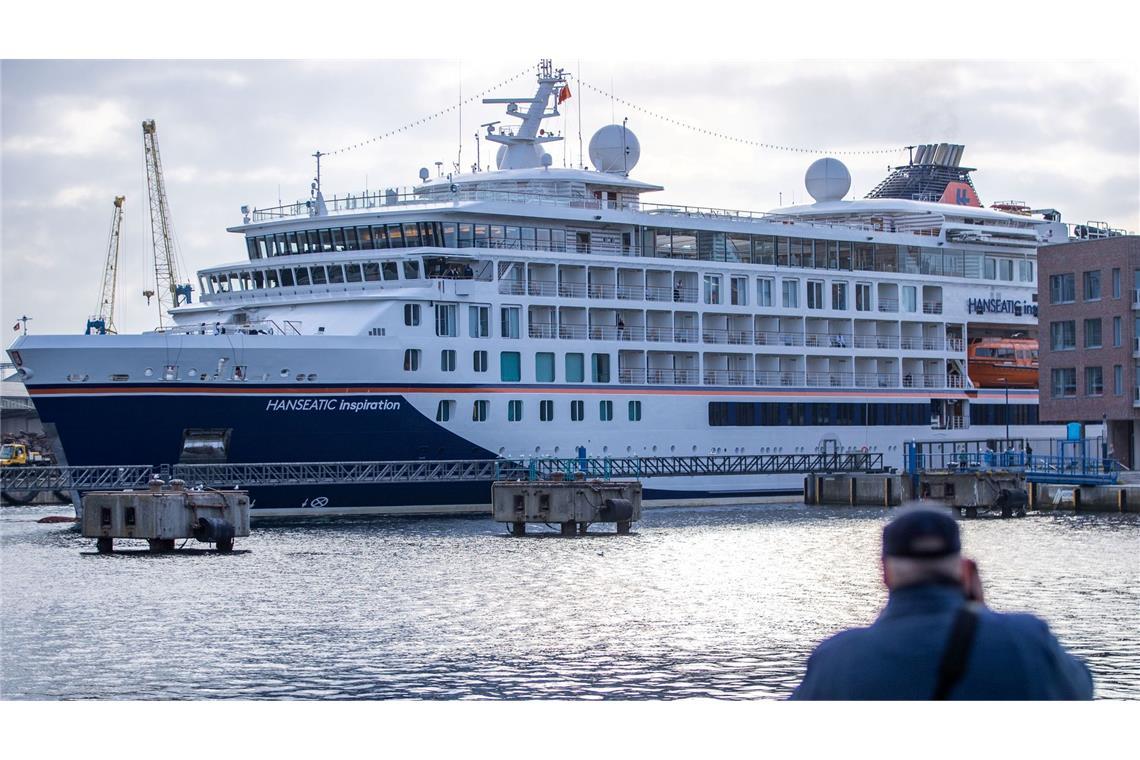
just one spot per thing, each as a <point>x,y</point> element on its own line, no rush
<point>104,320</point>
<point>170,292</point>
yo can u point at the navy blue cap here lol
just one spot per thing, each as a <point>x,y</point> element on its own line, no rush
<point>921,533</point>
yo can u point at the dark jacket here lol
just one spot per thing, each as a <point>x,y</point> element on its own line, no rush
<point>1014,656</point>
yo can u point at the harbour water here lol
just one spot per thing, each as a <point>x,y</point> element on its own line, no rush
<point>724,603</point>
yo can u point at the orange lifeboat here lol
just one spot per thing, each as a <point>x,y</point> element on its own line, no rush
<point>1003,362</point>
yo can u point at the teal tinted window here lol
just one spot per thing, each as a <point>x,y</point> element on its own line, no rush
<point>575,368</point>
<point>509,367</point>
<point>544,367</point>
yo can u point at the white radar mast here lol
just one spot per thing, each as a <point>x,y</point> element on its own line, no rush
<point>522,146</point>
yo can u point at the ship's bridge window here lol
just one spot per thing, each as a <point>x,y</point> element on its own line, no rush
<point>412,269</point>
<point>395,236</point>
<point>447,268</point>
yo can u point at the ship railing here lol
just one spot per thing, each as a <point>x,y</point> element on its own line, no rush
<point>512,287</point>
<point>630,375</point>
<point>686,335</point>
<point>775,378</point>
<point>827,340</point>
<point>659,334</point>
<point>770,338</point>
<point>731,337</point>
<point>931,307</point>
<point>613,332</point>
<point>677,294</point>
<point>920,343</point>
<point>888,304</point>
<point>572,289</point>
<point>601,290</point>
<point>672,376</point>
<point>876,341</point>
<point>542,331</point>
<point>956,345</point>
<point>828,379</point>
<point>728,377</point>
<point>542,288</point>
<point>572,331</point>
<point>876,380</point>
<point>631,292</point>
<point>259,327</point>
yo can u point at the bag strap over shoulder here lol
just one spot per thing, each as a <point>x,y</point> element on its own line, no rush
<point>953,665</point>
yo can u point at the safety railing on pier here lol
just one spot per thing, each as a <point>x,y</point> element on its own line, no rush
<point>231,475</point>
<point>1075,462</point>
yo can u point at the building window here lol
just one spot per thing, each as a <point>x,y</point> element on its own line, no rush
<point>635,411</point>
<point>1064,382</point>
<point>1117,332</point>
<point>510,367</point>
<point>411,359</point>
<point>447,360</point>
<point>910,298</point>
<point>510,321</point>
<point>839,296</point>
<point>1062,288</point>
<point>1092,286</point>
<point>862,296</point>
<point>479,410</point>
<point>1116,283</point>
<point>1094,381</point>
<point>738,290</point>
<point>546,410</point>
<point>1063,335</point>
<point>764,291</point>
<point>1118,380</point>
<point>446,320</point>
<point>577,410</point>
<point>575,368</point>
<point>444,411</point>
<point>411,314</point>
<point>791,293</point>
<point>479,361</point>
<point>600,368</point>
<point>1092,333</point>
<point>605,410</point>
<point>514,410</point>
<point>544,367</point>
<point>712,288</point>
<point>479,321</point>
<point>815,294</point>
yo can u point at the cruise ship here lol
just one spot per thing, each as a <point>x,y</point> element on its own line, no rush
<point>540,311</point>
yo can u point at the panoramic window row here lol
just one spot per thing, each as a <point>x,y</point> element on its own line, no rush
<point>510,365</point>
<point>695,245</point>
<point>770,414</point>
<point>481,410</point>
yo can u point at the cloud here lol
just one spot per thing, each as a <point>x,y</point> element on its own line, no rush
<point>70,129</point>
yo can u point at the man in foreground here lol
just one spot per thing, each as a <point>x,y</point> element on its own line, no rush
<point>935,639</point>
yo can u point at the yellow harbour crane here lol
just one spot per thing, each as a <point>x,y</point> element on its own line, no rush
<point>170,291</point>
<point>103,321</point>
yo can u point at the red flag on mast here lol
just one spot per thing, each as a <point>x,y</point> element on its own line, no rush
<point>564,94</point>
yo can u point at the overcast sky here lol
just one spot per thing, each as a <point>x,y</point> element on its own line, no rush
<point>1063,135</point>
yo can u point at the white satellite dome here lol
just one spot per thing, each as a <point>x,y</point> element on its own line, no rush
<point>614,149</point>
<point>501,154</point>
<point>827,180</point>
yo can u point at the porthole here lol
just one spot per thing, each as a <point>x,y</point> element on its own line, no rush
<point>300,377</point>
<point>193,373</point>
<point>148,372</point>
<point>285,373</point>
<point>312,377</point>
<point>605,449</point>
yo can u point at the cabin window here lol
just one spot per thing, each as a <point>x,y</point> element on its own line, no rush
<point>302,275</point>
<point>287,280</point>
<point>444,411</point>
<point>509,324</point>
<point>390,270</point>
<point>479,361</point>
<point>862,296</point>
<point>839,296</point>
<point>447,360</point>
<point>764,291</point>
<point>510,367</point>
<point>910,298</point>
<point>514,410</point>
<point>600,368</point>
<point>791,293</point>
<point>815,294</point>
<point>738,291</point>
<point>546,410</point>
<point>712,288</point>
<point>411,314</point>
<point>319,276</point>
<point>479,410</point>
<point>575,368</point>
<point>605,410</point>
<point>635,411</point>
<point>411,359</point>
<point>479,321</point>
<point>352,273</point>
<point>446,320</point>
<point>544,367</point>
<point>577,410</point>
<point>412,270</point>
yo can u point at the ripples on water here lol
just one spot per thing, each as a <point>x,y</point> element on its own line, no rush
<point>723,603</point>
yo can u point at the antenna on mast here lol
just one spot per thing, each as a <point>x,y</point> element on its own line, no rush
<point>317,182</point>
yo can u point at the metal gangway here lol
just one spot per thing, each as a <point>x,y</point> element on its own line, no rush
<point>252,475</point>
<point>1077,462</point>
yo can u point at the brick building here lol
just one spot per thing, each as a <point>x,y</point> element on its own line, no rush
<point>1089,328</point>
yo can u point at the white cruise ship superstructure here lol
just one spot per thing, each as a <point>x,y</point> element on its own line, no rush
<point>542,311</point>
